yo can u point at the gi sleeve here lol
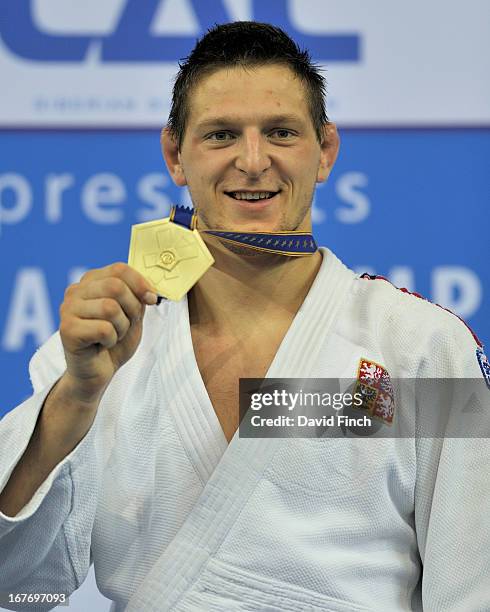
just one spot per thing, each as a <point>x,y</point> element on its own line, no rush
<point>45,548</point>
<point>452,494</point>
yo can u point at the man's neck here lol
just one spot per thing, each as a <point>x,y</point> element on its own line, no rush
<point>241,291</point>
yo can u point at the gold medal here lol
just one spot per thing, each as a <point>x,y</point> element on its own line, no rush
<point>171,257</point>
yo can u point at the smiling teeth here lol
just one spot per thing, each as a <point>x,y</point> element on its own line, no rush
<point>244,195</point>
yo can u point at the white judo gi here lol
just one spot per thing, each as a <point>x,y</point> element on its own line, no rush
<point>175,519</point>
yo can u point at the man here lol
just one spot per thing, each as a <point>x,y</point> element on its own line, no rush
<point>127,455</point>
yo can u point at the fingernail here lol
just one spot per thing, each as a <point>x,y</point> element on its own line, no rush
<point>150,298</point>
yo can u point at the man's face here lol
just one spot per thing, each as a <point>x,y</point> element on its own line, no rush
<point>250,155</point>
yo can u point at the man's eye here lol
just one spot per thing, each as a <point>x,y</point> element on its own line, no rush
<point>220,136</point>
<point>282,134</point>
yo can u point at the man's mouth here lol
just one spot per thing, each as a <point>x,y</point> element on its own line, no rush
<point>251,195</point>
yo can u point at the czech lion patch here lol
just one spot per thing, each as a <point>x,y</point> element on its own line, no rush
<point>374,384</point>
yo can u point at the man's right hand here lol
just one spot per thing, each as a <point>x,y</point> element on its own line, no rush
<point>100,326</point>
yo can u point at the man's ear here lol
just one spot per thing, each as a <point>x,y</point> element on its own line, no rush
<point>171,154</point>
<point>329,151</point>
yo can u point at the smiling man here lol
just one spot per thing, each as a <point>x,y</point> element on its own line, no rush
<point>256,164</point>
<point>250,167</point>
<point>128,456</point>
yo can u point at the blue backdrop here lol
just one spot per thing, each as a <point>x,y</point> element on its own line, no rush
<point>408,204</point>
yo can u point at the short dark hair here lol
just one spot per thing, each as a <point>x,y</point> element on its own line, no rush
<point>245,43</point>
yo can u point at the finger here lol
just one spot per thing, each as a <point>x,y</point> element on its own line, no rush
<point>133,279</point>
<point>105,309</point>
<point>115,289</point>
<point>78,334</point>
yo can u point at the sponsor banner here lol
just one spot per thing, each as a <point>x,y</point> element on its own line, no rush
<point>409,205</point>
<point>89,63</point>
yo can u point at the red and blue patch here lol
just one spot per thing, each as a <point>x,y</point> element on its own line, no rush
<point>374,385</point>
<point>484,365</point>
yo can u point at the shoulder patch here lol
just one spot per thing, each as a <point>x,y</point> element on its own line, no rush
<point>417,295</point>
<point>484,365</point>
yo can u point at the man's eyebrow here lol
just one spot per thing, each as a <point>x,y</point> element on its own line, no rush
<point>225,122</point>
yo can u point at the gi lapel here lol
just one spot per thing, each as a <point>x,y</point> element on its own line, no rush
<point>195,420</point>
<point>243,463</point>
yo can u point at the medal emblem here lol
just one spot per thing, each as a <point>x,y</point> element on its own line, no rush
<point>171,257</point>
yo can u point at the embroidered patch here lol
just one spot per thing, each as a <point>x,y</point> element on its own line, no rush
<point>484,365</point>
<point>374,384</point>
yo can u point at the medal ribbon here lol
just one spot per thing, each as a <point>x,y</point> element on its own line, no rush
<point>292,244</point>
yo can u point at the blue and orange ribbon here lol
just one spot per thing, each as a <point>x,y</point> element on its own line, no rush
<point>292,244</point>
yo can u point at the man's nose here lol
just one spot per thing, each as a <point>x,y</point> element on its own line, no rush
<point>253,156</point>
